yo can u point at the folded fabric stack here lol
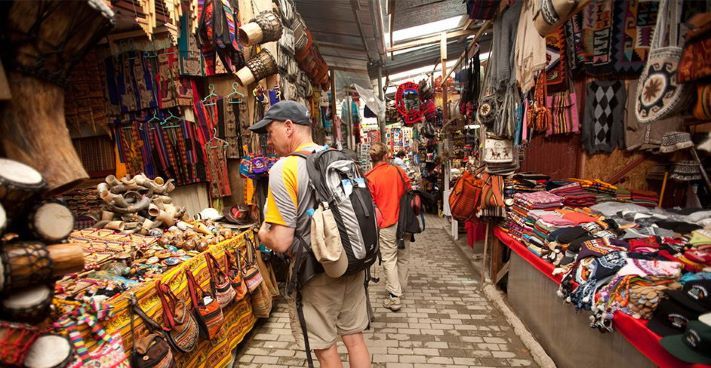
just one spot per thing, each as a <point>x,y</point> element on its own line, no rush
<point>538,200</point>
<point>574,195</point>
<point>644,198</point>
<point>603,191</point>
<point>624,195</point>
<point>530,182</point>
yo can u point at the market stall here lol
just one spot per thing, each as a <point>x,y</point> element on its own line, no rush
<point>588,170</point>
<point>130,185</point>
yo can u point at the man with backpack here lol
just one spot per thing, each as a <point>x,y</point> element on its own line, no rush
<point>387,184</point>
<point>323,305</point>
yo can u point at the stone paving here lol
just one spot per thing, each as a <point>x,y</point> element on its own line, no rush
<point>445,320</point>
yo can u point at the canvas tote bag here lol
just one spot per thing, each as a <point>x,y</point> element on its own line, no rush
<point>659,93</point>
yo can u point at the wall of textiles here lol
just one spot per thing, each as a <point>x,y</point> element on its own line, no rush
<point>590,78</point>
<point>167,98</point>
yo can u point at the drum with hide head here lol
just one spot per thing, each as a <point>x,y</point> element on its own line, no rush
<point>29,305</point>
<point>49,351</point>
<point>51,221</point>
<point>18,183</point>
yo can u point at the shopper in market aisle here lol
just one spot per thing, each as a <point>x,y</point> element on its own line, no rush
<point>387,184</point>
<point>399,159</point>
<point>331,306</point>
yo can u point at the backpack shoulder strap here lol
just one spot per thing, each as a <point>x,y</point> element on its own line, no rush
<point>303,154</point>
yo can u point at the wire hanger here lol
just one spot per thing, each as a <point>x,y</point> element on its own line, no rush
<point>235,92</point>
<point>165,121</point>
<point>216,138</point>
<point>212,94</point>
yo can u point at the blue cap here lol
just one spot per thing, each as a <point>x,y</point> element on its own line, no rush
<point>281,111</point>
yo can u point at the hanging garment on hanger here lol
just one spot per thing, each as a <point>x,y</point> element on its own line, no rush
<point>217,163</point>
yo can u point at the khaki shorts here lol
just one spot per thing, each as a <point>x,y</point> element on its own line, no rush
<point>332,308</point>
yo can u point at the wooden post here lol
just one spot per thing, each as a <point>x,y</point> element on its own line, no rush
<point>483,258</point>
<point>443,61</point>
<point>332,101</point>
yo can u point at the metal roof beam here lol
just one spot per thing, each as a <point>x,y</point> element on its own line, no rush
<point>429,40</point>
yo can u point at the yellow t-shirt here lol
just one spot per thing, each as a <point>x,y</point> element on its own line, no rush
<point>288,197</point>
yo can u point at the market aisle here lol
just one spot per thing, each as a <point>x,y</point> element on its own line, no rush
<point>445,320</point>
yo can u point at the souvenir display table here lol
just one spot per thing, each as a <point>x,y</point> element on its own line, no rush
<point>564,333</point>
<point>238,316</point>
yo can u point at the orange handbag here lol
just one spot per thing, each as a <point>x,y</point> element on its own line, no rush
<point>465,196</point>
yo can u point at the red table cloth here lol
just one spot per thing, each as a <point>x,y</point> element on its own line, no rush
<point>634,330</point>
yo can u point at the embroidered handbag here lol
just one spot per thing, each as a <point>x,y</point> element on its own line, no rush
<point>538,113</point>
<point>702,108</point>
<point>250,272</point>
<point>206,308</point>
<point>659,94</point>
<point>465,195</point>
<point>182,329</point>
<point>486,113</point>
<point>152,350</point>
<point>234,272</point>
<point>109,350</point>
<point>497,150</point>
<point>220,282</point>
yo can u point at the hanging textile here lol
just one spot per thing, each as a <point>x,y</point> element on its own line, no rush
<point>564,113</point>
<point>598,18</point>
<point>168,150</point>
<point>229,128</point>
<point>618,34</point>
<point>557,67</point>
<point>603,129</point>
<point>216,150</point>
<point>505,38</point>
<point>172,90</point>
<point>191,60</point>
<point>574,44</point>
<point>131,83</point>
<point>471,81</point>
<point>530,49</point>
<point>217,35</point>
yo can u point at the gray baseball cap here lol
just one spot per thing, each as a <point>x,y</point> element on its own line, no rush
<point>280,111</point>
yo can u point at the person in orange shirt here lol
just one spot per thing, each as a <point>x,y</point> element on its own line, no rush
<point>387,184</point>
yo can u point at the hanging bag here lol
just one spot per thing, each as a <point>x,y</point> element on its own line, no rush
<point>538,113</point>
<point>152,350</point>
<point>250,272</point>
<point>660,94</point>
<point>181,327</point>
<point>464,198</point>
<point>206,308</point>
<point>261,296</point>
<point>220,282</point>
<point>234,272</point>
<point>488,105</point>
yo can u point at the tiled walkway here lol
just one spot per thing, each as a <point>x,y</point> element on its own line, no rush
<point>445,320</point>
